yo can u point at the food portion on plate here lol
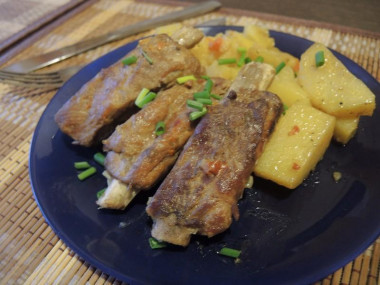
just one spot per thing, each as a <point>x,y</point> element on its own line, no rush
<point>202,114</point>
<point>138,155</point>
<point>108,99</point>
<point>200,194</point>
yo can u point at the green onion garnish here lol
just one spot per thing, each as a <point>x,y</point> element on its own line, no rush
<point>202,94</point>
<point>285,108</point>
<point>205,77</point>
<point>208,85</point>
<point>100,193</point>
<point>226,61</point>
<point>319,58</point>
<point>230,252</point>
<point>247,60</point>
<point>144,97</point>
<point>81,165</point>
<point>99,158</point>
<point>148,59</point>
<point>160,128</point>
<point>141,95</point>
<point>87,173</point>
<point>154,244</point>
<point>259,59</point>
<point>183,79</point>
<point>279,67</point>
<point>205,101</point>
<point>197,114</point>
<point>129,60</point>
<point>195,104</point>
<point>217,97</point>
<point>149,97</point>
<point>242,52</point>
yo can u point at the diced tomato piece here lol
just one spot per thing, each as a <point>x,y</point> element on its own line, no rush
<point>215,45</point>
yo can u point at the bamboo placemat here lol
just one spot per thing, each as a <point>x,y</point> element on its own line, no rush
<point>30,252</point>
<point>22,17</point>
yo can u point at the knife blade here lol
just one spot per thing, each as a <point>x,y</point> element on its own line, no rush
<point>58,55</point>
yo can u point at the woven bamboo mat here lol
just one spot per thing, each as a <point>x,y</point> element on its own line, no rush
<point>22,17</point>
<point>30,252</point>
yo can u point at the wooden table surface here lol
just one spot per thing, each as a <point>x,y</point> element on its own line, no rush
<point>30,251</point>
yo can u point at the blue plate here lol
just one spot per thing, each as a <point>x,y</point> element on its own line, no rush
<point>286,237</point>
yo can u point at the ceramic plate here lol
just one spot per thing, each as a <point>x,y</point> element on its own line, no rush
<point>286,237</point>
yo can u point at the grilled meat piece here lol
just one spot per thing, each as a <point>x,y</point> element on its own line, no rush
<point>107,100</point>
<point>252,76</point>
<point>187,36</point>
<point>200,194</point>
<point>136,157</point>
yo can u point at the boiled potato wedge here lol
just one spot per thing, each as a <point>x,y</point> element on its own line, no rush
<point>285,85</point>
<point>298,142</point>
<point>345,129</point>
<point>259,35</point>
<point>332,88</point>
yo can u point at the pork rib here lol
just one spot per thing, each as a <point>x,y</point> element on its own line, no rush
<point>107,100</point>
<point>200,194</point>
<point>136,157</point>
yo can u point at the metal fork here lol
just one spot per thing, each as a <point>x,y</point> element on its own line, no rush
<point>54,79</point>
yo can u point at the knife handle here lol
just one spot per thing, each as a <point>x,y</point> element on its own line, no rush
<point>49,58</point>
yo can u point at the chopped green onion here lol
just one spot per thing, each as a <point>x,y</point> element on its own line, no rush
<point>230,252</point>
<point>100,193</point>
<point>87,173</point>
<point>141,95</point>
<point>279,67</point>
<point>154,244</point>
<point>247,60</point>
<point>217,97</point>
<point>148,59</point>
<point>205,101</point>
<point>319,58</point>
<point>129,60</point>
<point>202,94</point>
<point>241,60</point>
<point>81,165</point>
<point>205,77</point>
<point>208,85</point>
<point>226,61</point>
<point>197,114</point>
<point>259,59</point>
<point>99,158</point>
<point>183,79</point>
<point>285,108</point>
<point>144,97</point>
<point>194,104</point>
<point>160,128</point>
<point>148,98</point>
<point>241,50</point>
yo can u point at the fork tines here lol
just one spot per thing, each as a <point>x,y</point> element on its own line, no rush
<point>52,79</point>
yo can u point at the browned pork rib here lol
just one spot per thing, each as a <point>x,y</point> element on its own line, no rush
<point>136,157</point>
<point>106,101</point>
<point>200,194</point>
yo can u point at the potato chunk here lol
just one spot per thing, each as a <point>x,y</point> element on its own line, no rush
<point>298,142</point>
<point>345,129</point>
<point>287,88</point>
<point>332,88</point>
<point>259,35</point>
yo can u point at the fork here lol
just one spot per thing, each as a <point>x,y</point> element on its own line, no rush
<point>54,79</point>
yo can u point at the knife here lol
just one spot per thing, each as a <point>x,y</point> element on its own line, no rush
<point>52,57</point>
